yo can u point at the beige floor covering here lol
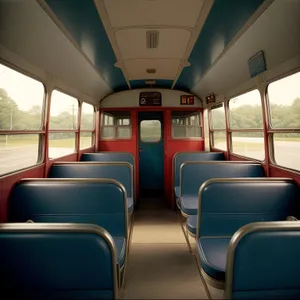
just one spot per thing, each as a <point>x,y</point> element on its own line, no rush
<point>160,265</point>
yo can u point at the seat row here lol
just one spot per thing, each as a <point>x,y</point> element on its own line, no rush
<point>68,235</point>
<point>241,220</point>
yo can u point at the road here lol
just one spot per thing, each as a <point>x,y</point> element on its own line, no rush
<point>286,154</point>
<point>16,158</point>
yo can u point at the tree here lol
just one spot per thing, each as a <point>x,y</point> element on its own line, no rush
<point>8,110</point>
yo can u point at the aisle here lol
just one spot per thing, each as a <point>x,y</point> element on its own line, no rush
<point>160,265</point>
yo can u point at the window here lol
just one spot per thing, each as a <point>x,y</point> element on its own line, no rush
<point>246,125</point>
<point>206,131</point>
<point>186,125</point>
<point>63,124</point>
<point>116,125</point>
<point>284,101</point>
<point>21,126</point>
<point>218,127</point>
<point>87,129</point>
<point>150,131</point>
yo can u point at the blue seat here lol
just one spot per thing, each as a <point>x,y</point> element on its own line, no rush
<point>181,157</point>
<point>212,253</point>
<point>191,224</point>
<point>92,201</point>
<point>228,204</point>
<point>57,261</point>
<point>109,156</point>
<point>263,262</point>
<point>120,171</point>
<point>194,174</point>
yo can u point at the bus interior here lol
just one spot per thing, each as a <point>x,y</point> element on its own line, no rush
<point>149,149</point>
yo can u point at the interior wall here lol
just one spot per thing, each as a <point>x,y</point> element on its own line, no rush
<point>171,145</point>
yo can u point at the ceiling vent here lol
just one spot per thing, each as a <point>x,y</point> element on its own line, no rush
<point>152,39</point>
<point>151,71</point>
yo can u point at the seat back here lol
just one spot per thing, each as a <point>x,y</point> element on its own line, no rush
<point>57,261</point>
<point>109,156</point>
<point>96,201</point>
<point>194,174</point>
<point>263,262</point>
<point>120,171</point>
<point>228,204</point>
<point>181,157</point>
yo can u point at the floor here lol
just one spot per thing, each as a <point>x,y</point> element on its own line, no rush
<point>160,265</point>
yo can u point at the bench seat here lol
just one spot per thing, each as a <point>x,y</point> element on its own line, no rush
<point>80,201</point>
<point>57,261</point>
<point>189,205</point>
<point>120,171</point>
<point>213,254</point>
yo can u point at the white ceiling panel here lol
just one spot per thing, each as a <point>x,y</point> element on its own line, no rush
<point>165,68</point>
<point>153,12</point>
<point>172,43</point>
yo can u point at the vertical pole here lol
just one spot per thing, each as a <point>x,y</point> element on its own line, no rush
<point>79,128</point>
<point>228,134</point>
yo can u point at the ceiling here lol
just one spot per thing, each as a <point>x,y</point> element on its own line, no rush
<point>91,49</point>
<point>112,34</point>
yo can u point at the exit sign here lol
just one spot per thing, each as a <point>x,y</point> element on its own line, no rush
<point>187,100</point>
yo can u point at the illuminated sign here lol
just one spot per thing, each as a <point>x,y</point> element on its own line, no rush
<point>187,100</point>
<point>150,99</point>
<point>210,98</point>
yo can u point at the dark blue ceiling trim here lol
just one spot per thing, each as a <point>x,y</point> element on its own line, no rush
<point>161,83</point>
<point>224,21</point>
<point>82,21</point>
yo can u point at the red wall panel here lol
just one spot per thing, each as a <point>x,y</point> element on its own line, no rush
<point>171,146</point>
<point>7,182</point>
<point>277,172</point>
<point>272,171</point>
<point>126,145</point>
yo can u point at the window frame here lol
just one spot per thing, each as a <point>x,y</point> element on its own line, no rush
<point>92,131</point>
<point>41,132</point>
<point>245,130</point>
<point>75,131</point>
<point>212,130</point>
<point>271,131</point>
<point>115,126</point>
<point>198,114</point>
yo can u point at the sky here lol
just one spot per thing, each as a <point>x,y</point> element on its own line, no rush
<point>27,92</point>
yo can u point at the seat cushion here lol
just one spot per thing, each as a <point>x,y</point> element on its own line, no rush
<point>189,205</point>
<point>191,224</point>
<point>213,255</point>
<point>130,204</point>
<point>120,247</point>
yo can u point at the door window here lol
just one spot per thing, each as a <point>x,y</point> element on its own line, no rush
<point>150,131</point>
